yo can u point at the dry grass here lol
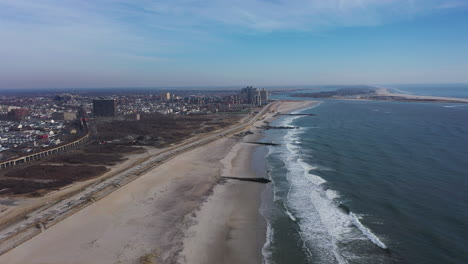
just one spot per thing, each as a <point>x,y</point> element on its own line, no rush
<point>112,149</point>
<point>91,160</point>
<point>149,258</point>
<point>88,158</point>
<point>162,130</point>
<point>45,176</point>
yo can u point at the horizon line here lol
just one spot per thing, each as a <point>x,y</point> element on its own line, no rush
<point>222,86</point>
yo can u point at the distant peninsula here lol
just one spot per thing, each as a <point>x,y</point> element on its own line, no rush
<point>377,94</point>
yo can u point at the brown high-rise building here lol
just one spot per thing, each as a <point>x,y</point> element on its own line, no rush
<point>104,107</point>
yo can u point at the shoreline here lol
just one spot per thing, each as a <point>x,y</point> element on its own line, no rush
<point>151,217</point>
<point>232,215</point>
<point>267,196</point>
<point>227,227</point>
<point>383,94</point>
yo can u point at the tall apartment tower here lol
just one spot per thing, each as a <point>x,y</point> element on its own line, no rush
<point>166,96</point>
<point>251,92</point>
<point>255,96</point>
<point>105,107</point>
<point>264,94</point>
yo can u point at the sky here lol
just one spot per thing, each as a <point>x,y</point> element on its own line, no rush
<point>161,43</point>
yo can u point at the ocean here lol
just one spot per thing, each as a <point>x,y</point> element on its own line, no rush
<point>369,182</point>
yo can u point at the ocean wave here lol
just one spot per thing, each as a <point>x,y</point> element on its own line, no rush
<point>291,216</point>
<point>455,106</point>
<point>332,194</point>
<point>324,227</point>
<point>288,120</point>
<point>323,168</point>
<point>306,198</point>
<point>266,249</point>
<point>274,190</point>
<point>371,236</point>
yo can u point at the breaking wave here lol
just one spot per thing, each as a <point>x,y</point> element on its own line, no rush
<point>372,237</point>
<point>325,228</point>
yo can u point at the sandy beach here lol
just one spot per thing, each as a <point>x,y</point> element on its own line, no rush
<point>385,94</point>
<point>179,212</point>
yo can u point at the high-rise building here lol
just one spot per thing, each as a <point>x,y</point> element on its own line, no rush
<point>250,92</point>
<point>104,107</point>
<point>166,96</point>
<point>264,94</point>
<point>257,99</point>
<point>255,96</point>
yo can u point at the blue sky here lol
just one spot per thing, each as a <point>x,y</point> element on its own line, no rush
<point>124,43</point>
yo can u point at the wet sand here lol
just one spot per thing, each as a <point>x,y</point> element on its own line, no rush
<point>229,227</point>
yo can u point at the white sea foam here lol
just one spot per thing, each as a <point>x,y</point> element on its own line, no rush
<point>269,176</point>
<point>315,179</point>
<point>293,139</point>
<point>372,237</point>
<point>303,184</point>
<point>323,168</point>
<point>332,194</point>
<point>454,106</point>
<point>264,211</point>
<point>290,215</point>
<point>288,121</point>
<point>323,225</point>
<point>266,249</point>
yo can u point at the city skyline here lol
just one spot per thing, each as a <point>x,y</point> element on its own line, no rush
<point>92,44</point>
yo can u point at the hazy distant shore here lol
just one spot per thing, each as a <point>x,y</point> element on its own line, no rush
<point>385,94</point>
<point>378,94</point>
<point>162,215</point>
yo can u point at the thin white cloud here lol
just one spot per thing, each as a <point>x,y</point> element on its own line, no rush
<point>108,35</point>
<point>264,15</point>
<point>453,4</point>
<point>251,14</point>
